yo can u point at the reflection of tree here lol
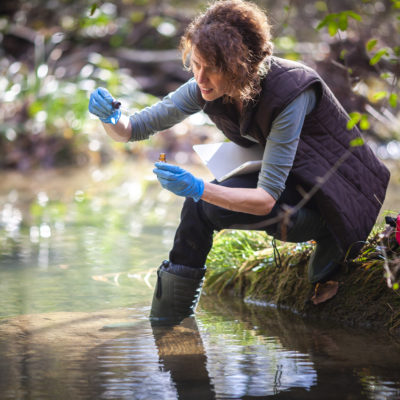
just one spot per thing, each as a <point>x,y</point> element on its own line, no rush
<point>277,379</point>
<point>295,359</point>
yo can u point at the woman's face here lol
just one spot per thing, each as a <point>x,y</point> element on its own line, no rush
<point>210,79</point>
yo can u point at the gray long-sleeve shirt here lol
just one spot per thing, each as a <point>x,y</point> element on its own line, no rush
<point>282,141</point>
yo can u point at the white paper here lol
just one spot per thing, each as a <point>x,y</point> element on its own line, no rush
<point>227,159</point>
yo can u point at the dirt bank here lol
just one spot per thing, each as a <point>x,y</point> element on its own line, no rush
<point>363,298</point>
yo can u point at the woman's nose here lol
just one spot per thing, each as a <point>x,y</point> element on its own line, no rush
<point>201,76</point>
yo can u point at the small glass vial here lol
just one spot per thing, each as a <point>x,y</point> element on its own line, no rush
<point>162,158</point>
<point>116,104</point>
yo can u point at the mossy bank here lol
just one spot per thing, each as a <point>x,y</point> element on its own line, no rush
<point>243,264</point>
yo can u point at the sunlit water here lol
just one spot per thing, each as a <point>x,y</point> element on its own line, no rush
<point>77,262</point>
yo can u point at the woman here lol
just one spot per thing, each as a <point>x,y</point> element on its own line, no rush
<point>257,99</point>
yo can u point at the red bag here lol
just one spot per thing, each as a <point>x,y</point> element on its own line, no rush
<point>394,223</point>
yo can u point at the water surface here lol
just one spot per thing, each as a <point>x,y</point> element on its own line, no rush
<point>78,253</point>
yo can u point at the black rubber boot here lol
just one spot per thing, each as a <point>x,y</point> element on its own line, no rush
<point>176,294</point>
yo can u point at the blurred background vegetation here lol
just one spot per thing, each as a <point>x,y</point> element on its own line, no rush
<point>53,53</point>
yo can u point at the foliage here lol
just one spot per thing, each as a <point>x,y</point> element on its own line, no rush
<point>382,53</point>
<point>338,21</point>
<point>52,60</point>
<point>355,48</point>
<point>50,66</point>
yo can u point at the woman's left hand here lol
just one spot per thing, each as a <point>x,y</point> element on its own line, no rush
<point>179,181</point>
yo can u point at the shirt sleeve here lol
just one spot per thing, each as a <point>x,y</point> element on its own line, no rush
<point>281,146</point>
<point>173,108</point>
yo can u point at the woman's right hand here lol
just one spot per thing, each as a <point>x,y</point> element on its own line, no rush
<point>101,105</point>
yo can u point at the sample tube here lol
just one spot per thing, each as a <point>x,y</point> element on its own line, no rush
<point>116,104</point>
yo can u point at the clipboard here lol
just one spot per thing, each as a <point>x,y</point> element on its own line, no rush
<point>226,159</point>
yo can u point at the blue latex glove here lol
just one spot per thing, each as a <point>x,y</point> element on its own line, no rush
<point>100,104</point>
<point>179,181</point>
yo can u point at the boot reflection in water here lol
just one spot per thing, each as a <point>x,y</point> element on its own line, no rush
<point>181,352</point>
<point>176,294</point>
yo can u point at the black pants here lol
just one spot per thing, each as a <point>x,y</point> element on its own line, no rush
<point>194,236</point>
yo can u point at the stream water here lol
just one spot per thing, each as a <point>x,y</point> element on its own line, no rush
<point>78,252</point>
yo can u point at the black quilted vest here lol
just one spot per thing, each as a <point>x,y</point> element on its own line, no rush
<point>350,199</point>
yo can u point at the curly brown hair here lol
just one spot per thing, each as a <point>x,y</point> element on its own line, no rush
<point>234,36</point>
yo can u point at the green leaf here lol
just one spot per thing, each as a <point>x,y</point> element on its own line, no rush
<point>379,54</point>
<point>371,44</point>
<point>333,27</point>
<point>396,4</point>
<point>364,123</point>
<point>93,9</point>
<point>379,95</point>
<point>396,286</point>
<point>324,22</point>
<point>353,15</point>
<point>393,100</point>
<point>343,54</point>
<point>355,115</point>
<point>357,142</point>
<point>354,119</point>
<point>334,21</point>
<point>342,21</point>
